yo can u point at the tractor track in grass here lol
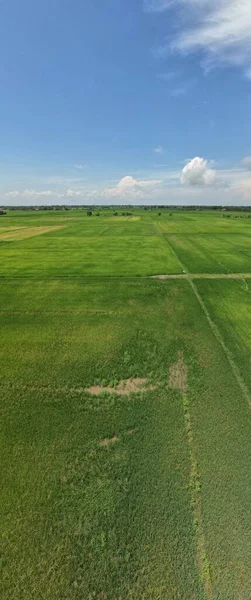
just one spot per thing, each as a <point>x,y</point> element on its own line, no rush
<point>191,276</point>
<point>194,486</point>
<point>185,275</point>
<point>195,491</point>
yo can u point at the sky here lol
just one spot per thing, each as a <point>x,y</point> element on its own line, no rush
<point>125,101</point>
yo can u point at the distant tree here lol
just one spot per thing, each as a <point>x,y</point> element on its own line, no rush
<point>170,214</point>
<point>115,214</point>
<point>159,214</point>
<point>2,212</point>
<point>89,213</point>
<point>97,214</point>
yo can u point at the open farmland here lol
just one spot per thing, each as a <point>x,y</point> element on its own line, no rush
<point>125,406</point>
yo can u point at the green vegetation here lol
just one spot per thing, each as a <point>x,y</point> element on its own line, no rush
<point>110,496</point>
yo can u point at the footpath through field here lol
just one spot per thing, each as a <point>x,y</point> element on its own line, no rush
<point>204,276</point>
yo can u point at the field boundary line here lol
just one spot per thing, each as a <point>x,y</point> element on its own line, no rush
<point>195,486</point>
<point>63,312</point>
<point>185,276</point>
<point>234,276</point>
<point>195,491</point>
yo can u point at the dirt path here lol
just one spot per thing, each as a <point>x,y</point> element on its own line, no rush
<point>204,276</point>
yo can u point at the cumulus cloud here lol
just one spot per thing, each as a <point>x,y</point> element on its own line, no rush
<point>246,162</point>
<point>197,172</point>
<point>129,188</point>
<point>221,29</point>
<point>80,167</point>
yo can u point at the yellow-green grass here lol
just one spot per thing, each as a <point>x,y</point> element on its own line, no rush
<point>21,233</point>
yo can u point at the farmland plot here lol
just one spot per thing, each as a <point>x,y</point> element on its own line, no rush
<point>125,418</point>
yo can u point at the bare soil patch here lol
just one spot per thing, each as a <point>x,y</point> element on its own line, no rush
<point>10,228</point>
<point>124,388</point>
<point>178,374</point>
<point>109,442</point>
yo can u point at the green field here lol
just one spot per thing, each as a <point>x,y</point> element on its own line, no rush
<point>115,494</point>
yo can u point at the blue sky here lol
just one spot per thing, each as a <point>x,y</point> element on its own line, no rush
<point>144,101</point>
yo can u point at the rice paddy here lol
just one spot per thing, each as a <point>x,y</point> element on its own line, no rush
<point>125,423</point>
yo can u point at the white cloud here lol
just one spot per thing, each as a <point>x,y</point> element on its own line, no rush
<point>42,194</point>
<point>80,167</point>
<point>246,162</point>
<point>159,150</point>
<point>45,193</point>
<point>29,193</point>
<point>129,188</point>
<point>72,194</point>
<point>197,172</point>
<point>160,185</point>
<point>221,29</point>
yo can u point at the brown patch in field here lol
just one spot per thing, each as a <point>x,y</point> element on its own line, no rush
<point>124,388</point>
<point>27,232</point>
<point>178,374</point>
<point>109,442</point>
<point>135,219</point>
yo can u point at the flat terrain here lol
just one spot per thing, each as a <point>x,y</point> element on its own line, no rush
<point>125,405</point>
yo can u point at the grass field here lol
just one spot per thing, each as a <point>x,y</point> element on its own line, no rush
<point>115,495</point>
